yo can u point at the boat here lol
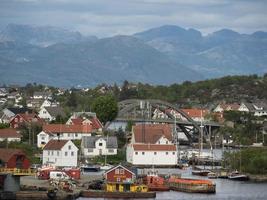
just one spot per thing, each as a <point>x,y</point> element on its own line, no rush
<point>191,185</point>
<point>237,176</point>
<point>90,168</point>
<point>201,172</point>
<point>212,175</point>
<point>106,167</point>
<point>155,182</point>
<point>116,195</point>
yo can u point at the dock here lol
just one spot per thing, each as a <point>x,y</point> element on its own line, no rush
<point>121,195</point>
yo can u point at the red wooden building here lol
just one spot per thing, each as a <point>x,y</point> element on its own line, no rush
<point>120,174</point>
<point>26,118</point>
<point>13,158</point>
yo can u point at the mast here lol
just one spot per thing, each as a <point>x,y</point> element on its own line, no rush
<point>201,137</point>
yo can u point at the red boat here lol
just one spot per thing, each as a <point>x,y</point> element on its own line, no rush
<point>155,182</point>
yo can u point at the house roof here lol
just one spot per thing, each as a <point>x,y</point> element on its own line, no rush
<point>19,110</point>
<point>115,167</point>
<point>9,133</point>
<point>89,141</point>
<point>193,112</point>
<point>96,124</point>
<point>6,154</point>
<point>42,93</point>
<point>154,147</point>
<point>55,144</point>
<point>152,132</point>
<point>63,128</point>
<point>55,111</point>
<point>29,117</point>
<point>252,106</point>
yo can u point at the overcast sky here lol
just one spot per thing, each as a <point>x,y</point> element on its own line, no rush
<point>110,17</point>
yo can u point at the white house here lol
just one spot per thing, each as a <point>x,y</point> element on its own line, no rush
<point>50,113</point>
<point>60,153</point>
<point>10,134</point>
<point>42,95</point>
<point>63,132</point>
<point>152,154</point>
<point>98,145</point>
<point>258,108</point>
<point>150,144</point>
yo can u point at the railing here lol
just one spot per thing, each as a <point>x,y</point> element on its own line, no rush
<point>18,172</point>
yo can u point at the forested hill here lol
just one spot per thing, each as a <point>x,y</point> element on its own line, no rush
<point>228,89</point>
<point>198,94</point>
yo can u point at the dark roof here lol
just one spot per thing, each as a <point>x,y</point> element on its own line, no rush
<point>55,144</point>
<point>42,94</point>
<point>6,154</point>
<point>9,133</point>
<point>55,111</point>
<point>20,110</point>
<point>89,141</point>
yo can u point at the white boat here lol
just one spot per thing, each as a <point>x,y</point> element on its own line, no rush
<point>106,167</point>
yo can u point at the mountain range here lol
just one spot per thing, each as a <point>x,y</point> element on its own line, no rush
<point>163,55</point>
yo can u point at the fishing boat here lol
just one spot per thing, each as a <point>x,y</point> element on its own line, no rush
<point>191,185</point>
<point>155,182</point>
<point>237,176</point>
<point>212,175</point>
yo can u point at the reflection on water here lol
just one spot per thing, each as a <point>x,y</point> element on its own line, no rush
<point>225,189</point>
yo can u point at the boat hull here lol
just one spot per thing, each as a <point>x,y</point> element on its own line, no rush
<point>239,178</point>
<point>200,173</point>
<point>121,195</point>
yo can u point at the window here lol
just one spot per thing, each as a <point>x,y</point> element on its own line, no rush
<point>76,134</point>
<point>100,144</point>
<point>173,153</point>
<point>166,142</point>
<point>43,138</point>
<point>136,153</point>
<point>111,150</point>
<point>121,171</point>
<point>68,135</point>
<point>48,153</point>
<point>143,153</point>
<point>155,153</point>
<point>66,153</point>
<point>167,153</point>
<point>118,179</point>
<point>117,171</point>
<point>52,153</point>
<point>57,153</point>
<point>72,153</point>
<point>69,147</point>
<point>90,150</point>
<point>55,160</point>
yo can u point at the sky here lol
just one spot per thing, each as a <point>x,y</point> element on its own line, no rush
<point>111,17</point>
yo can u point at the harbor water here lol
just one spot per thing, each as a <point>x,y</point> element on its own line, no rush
<point>225,189</point>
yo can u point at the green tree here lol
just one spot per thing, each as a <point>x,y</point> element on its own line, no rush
<point>106,108</point>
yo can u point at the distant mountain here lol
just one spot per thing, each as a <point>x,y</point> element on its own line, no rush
<point>107,60</point>
<point>41,35</point>
<point>224,52</point>
<point>163,55</point>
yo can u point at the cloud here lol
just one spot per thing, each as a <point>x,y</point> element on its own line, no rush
<point>106,18</point>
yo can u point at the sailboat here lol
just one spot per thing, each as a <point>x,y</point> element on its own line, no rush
<point>237,175</point>
<point>106,166</point>
<point>200,172</point>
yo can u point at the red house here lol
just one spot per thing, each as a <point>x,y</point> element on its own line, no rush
<point>120,174</point>
<point>27,118</point>
<point>13,158</point>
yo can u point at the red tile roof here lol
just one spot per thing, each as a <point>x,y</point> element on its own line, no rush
<point>154,147</point>
<point>96,124</point>
<point>9,133</point>
<point>63,128</point>
<point>55,144</point>
<point>196,112</point>
<point>152,132</point>
<point>6,154</point>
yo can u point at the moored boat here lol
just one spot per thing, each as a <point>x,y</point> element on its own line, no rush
<point>90,168</point>
<point>155,182</point>
<point>191,185</point>
<point>237,176</point>
<point>212,175</point>
<point>201,172</point>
